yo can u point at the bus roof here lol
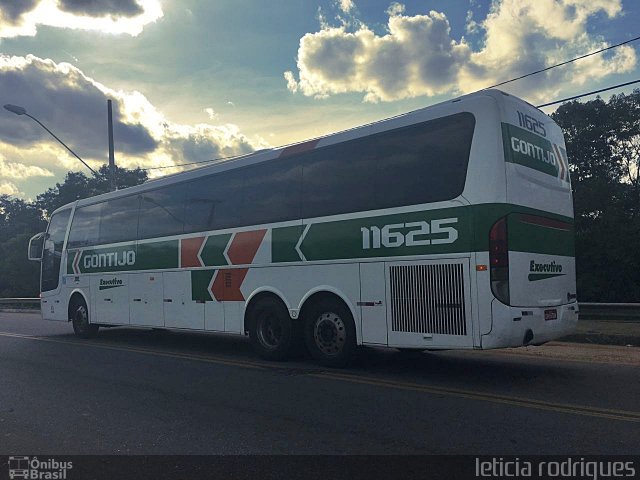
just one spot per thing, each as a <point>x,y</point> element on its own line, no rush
<point>274,153</point>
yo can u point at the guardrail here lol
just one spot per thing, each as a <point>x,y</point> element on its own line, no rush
<point>624,312</point>
<point>20,303</point>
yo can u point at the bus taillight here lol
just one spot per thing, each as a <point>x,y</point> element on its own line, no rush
<point>499,260</point>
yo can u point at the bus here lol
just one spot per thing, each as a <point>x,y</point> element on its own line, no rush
<point>449,227</point>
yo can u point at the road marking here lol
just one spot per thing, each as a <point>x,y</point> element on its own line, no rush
<point>612,414</point>
<point>145,351</point>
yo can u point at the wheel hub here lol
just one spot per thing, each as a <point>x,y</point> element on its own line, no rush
<point>269,332</point>
<point>329,333</point>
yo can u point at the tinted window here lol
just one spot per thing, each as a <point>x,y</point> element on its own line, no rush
<point>214,202</point>
<point>272,192</point>
<point>162,212</point>
<point>423,163</point>
<point>85,227</point>
<point>406,166</point>
<point>339,179</point>
<point>52,253</point>
<point>119,220</point>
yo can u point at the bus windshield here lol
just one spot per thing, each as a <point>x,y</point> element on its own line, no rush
<point>52,253</point>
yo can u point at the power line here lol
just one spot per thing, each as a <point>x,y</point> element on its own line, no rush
<point>565,62</point>
<point>190,163</point>
<point>588,93</point>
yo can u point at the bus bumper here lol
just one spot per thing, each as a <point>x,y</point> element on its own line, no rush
<point>518,326</point>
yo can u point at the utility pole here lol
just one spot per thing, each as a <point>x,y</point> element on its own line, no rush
<point>112,160</point>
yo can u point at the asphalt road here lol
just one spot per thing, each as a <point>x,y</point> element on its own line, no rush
<point>134,391</point>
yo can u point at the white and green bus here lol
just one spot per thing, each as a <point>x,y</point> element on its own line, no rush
<point>447,227</point>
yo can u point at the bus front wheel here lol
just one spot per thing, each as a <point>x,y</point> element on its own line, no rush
<point>330,333</point>
<point>80,320</point>
<point>270,329</point>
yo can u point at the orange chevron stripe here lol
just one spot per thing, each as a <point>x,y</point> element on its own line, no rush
<point>299,148</point>
<point>560,161</point>
<point>244,246</point>
<point>226,286</point>
<point>189,249</point>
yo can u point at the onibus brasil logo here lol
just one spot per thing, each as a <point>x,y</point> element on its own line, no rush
<point>36,469</point>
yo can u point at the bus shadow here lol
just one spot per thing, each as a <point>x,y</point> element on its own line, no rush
<point>462,369</point>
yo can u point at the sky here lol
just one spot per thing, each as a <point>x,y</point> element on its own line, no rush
<point>196,80</point>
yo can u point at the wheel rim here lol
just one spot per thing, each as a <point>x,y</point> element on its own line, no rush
<point>269,331</point>
<point>80,319</point>
<point>329,333</point>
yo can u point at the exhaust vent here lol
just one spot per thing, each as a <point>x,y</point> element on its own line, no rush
<point>428,299</point>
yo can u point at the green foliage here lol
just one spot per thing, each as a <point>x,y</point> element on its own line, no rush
<point>20,220</point>
<point>77,185</point>
<point>603,144</point>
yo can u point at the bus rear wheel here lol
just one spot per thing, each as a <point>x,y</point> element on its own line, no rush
<point>80,320</point>
<point>270,329</point>
<point>330,333</point>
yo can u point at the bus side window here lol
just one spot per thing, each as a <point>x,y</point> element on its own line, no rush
<point>85,226</point>
<point>162,212</point>
<point>214,202</point>
<point>272,192</point>
<point>119,220</point>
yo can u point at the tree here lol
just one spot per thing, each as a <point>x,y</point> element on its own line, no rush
<point>77,185</point>
<point>603,144</point>
<point>20,220</point>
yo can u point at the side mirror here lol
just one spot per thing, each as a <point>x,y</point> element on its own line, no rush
<point>36,245</point>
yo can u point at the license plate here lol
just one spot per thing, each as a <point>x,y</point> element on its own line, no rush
<point>551,314</point>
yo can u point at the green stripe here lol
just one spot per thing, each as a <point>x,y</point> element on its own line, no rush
<point>530,150</point>
<point>534,277</point>
<point>343,239</point>
<point>213,250</point>
<point>525,237</point>
<point>283,244</point>
<point>157,255</point>
<point>146,256</point>
<point>200,280</point>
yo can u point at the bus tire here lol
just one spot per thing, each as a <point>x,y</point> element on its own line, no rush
<point>80,320</point>
<point>270,329</point>
<point>330,333</point>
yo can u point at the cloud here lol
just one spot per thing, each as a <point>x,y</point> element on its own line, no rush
<point>395,9</point>
<point>11,11</point>
<point>9,188</point>
<point>345,5</point>
<point>99,8</point>
<point>418,55</point>
<point>211,113</point>
<point>19,170</point>
<point>74,107</point>
<point>22,17</point>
